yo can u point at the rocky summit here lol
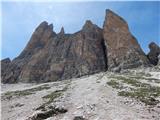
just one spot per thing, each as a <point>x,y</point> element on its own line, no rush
<point>154,53</point>
<point>123,50</point>
<point>51,56</point>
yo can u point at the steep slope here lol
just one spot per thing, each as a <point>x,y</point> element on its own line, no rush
<point>94,97</point>
<point>123,50</point>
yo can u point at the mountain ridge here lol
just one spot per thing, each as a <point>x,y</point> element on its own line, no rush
<point>51,56</point>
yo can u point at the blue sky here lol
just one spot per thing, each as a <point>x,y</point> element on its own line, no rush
<point>19,20</point>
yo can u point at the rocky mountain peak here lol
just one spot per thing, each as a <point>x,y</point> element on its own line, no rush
<point>62,32</point>
<point>110,14</point>
<point>49,56</point>
<point>153,53</point>
<point>50,26</point>
<point>88,23</point>
<point>153,45</point>
<point>88,26</point>
<point>115,21</point>
<point>40,36</point>
<point>43,26</point>
<point>6,60</point>
<point>123,49</point>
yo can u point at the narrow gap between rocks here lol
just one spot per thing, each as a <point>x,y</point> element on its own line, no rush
<point>104,47</point>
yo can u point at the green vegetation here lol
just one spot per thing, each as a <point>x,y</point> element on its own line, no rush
<point>146,95</point>
<point>143,74</point>
<point>142,91</point>
<point>130,81</point>
<point>115,84</point>
<point>51,97</point>
<point>12,94</point>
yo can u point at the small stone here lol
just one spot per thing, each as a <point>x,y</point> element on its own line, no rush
<point>79,118</point>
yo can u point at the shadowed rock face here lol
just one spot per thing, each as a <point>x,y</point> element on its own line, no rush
<point>49,56</point>
<point>5,63</point>
<point>123,50</point>
<point>158,60</point>
<point>86,54</point>
<point>154,53</point>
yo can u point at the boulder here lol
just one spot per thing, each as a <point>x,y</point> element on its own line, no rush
<point>62,31</point>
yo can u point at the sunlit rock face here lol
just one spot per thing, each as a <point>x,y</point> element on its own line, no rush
<point>123,50</point>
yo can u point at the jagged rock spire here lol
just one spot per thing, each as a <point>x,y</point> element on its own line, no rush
<point>123,50</point>
<point>88,24</point>
<point>153,53</point>
<point>41,35</point>
<point>88,51</point>
<point>90,28</point>
<point>62,32</point>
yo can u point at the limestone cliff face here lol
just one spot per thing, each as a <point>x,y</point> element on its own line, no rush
<point>123,50</point>
<point>86,53</point>
<point>37,42</point>
<point>50,57</point>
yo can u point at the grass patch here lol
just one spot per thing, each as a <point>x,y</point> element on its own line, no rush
<point>131,81</point>
<point>143,74</point>
<point>51,97</point>
<point>142,91</point>
<point>155,80</point>
<point>9,95</point>
<point>134,82</point>
<point>146,95</point>
<point>115,84</point>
